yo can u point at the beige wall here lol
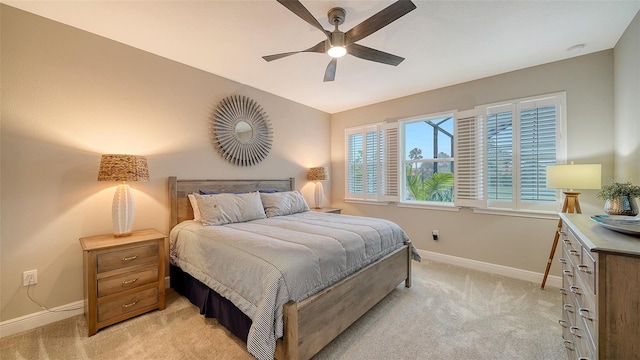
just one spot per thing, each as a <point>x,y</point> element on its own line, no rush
<point>627,104</point>
<point>69,96</point>
<point>517,242</point>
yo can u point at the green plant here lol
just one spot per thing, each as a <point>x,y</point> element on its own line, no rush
<point>618,189</point>
<point>438,187</point>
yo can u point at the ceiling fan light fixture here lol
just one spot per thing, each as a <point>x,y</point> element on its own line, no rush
<point>337,51</point>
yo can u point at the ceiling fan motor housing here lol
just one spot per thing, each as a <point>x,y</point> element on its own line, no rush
<point>336,17</point>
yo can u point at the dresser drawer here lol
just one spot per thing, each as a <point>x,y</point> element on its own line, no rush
<point>131,256</point>
<point>116,284</point>
<point>586,313</point>
<point>568,270</point>
<point>126,304</point>
<point>586,270</point>
<point>572,247</point>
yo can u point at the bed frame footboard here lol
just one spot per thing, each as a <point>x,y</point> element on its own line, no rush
<point>313,323</point>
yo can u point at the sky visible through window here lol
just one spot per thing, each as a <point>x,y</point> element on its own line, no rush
<point>420,135</point>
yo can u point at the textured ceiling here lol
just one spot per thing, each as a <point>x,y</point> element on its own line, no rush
<point>444,42</point>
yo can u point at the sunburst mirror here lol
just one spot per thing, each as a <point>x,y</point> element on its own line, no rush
<point>241,130</point>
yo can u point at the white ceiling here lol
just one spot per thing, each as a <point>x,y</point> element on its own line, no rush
<point>444,42</point>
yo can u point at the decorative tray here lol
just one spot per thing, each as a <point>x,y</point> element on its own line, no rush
<point>624,224</point>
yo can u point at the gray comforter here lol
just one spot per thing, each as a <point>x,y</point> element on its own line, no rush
<point>262,264</point>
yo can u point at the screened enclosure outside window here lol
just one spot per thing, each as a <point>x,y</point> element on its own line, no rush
<point>427,159</point>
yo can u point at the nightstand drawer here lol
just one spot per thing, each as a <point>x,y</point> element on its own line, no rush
<point>116,284</point>
<point>128,257</point>
<point>126,304</point>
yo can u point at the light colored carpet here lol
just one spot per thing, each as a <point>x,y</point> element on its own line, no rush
<point>448,313</point>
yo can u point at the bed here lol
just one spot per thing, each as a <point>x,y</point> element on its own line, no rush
<point>310,317</point>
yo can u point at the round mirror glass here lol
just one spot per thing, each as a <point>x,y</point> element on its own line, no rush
<point>243,131</point>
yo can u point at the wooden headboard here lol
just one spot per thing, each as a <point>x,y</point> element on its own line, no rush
<point>181,210</point>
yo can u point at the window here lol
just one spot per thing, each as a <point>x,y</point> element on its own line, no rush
<point>427,159</point>
<point>371,162</point>
<point>519,139</point>
<point>494,156</point>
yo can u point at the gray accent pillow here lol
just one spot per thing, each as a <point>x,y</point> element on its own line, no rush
<point>220,209</point>
<point>283,203</point>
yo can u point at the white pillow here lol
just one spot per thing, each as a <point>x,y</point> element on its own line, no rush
<point>283,203</point>
<point>194,206</point>
<point>220,209</point>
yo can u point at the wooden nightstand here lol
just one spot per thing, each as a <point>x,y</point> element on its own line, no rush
<point>123,277</point>
<point>328,210</point>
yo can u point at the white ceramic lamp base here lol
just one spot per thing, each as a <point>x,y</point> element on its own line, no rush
<point>319,194</point>
<point>122,211</point>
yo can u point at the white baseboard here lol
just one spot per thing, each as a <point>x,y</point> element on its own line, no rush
<point>45,317</point>
<point>534,277</point>
<point>40,318</point>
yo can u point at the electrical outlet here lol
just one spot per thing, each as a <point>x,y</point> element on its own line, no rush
<point>30,277</point>
<point>435,234</point>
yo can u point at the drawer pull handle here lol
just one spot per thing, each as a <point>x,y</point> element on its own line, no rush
<point>574,330</point>
<point>129,282</point>
<point>566,241</point>
<point>568,307</point>
<point>563,323</point>
<point>574,252</point>
<point>568,344</point>
<point>583,311</point>
<point>575,290</point>
<point>568,273</point>
<point>583,358</point>
<point>124,306</point>
<point>562,260</point>
<point>129,258</point>
<point>562,233</point>
<point>563,291</point>
<point>584,269</point>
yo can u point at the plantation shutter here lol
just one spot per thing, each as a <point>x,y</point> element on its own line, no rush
<point>372,162</point>
<point>355,163</point>
<point>388,164</point>
<point>469,159</point>
<point>500,169</point>
<point>538,121</point>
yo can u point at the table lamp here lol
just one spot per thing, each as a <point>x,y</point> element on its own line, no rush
<point>573,176</point>
<point>116,167</point>
<point>318,174</point>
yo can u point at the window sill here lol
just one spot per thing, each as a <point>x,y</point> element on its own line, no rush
<point>549,215</point>
<point>443,207</point>
<point>366,202</point>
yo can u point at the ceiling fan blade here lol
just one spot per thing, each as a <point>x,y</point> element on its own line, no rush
<point>376,22</point>
<point>368,53</point>
<point>319,48</point>
<point>297,8</point>
<point>330,73</point>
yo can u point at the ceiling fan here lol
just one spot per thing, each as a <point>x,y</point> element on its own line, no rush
<point>339,43</point>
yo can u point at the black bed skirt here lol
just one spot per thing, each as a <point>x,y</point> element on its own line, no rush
<point>210,303</point>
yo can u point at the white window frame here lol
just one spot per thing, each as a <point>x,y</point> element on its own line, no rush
<point>402,156</point>
<point>385,163</point>
<point>474,194</point>
<point>515,106</point>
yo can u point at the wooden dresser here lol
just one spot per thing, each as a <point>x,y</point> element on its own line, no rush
<point>123,277</point>
<point>601,291</point>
